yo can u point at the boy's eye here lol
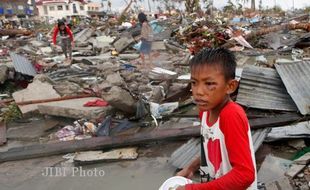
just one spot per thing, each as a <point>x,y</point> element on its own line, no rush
<point>210,83</point>
<point>193,82</point>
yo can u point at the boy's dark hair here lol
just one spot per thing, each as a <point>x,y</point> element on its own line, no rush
<point>216,56</point>
<point>142,18</point>
<point>60,23</point>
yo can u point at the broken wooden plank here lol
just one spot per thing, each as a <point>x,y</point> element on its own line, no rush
<point>304,160</point>
<point>96,156</point>
<point>294,170</point>
<point>14,32</point>
<point>278,120</point>
<point>97,143</point>
<point>2,133</point>
<point>6,101</point>
<point>264,122</point>
<point>54,99</point>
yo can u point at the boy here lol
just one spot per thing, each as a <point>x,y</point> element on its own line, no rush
<point>227,156</point>
<point>66,38</point>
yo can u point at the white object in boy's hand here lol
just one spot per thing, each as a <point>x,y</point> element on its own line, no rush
<point>174,182</point>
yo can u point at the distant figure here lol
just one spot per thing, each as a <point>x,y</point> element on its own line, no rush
<point>133,22</point>
<point>146,39</point>
<point>66,38</point>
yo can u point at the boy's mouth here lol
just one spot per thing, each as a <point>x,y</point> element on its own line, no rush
<point>200,102</point>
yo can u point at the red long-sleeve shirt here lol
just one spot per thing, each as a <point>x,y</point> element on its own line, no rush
<point>232,140</point>
<point>66,32</point>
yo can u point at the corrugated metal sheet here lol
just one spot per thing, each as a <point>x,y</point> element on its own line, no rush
<point>258,137</point>
<point>296,77</point>
<point>262,88</point>
<point>22,65</point>
<point>65,74</point>
<point>184,155</point>
<point>296,131</point>
<point>83,35</point>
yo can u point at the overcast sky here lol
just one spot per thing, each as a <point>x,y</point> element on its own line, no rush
<point>285,4</point>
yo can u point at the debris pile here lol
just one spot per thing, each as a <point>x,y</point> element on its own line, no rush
<point>104,98</point>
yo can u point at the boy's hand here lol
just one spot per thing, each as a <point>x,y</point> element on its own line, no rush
<point>181,188</point>
<point>55,46</point>
<point>72,43</point>
<point>186,172</point>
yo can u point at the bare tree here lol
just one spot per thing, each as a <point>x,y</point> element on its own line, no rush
<point>122,15</point>
<point>260,5</point>
<point>191,6</point>
<point>246,1</point>
<point>253,4</point>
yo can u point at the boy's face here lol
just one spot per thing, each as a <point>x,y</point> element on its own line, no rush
<point>62,27</point>
<point>209,87</point>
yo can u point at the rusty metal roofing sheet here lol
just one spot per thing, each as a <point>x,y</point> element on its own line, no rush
<point>184,155</point>
<point>258,137</point>
<point>294,131</point>
<point>296,77</point>
<point>22,64</point>
<point>262,88</point>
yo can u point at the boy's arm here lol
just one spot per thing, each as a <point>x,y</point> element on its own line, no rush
<point>189,171</point>
<point>235,128</point>
<point>69,32</point>
<point>55,35</point>
<point>143,32</point>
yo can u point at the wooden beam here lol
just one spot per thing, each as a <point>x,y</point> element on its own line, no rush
<point>304,160</point>
<point>294,170</point>
<point>278,120</point>
<point>14,32</point>
<point>54,99</point>
<point>97,143</point>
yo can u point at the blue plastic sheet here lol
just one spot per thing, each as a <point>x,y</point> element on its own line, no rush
<point>9,11</point>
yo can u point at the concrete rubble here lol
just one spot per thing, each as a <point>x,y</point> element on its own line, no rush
<point>105,97</point>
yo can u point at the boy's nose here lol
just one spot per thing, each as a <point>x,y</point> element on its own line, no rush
<point>200,91</point>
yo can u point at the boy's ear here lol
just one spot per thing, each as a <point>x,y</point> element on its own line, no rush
<point>232,86</point>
